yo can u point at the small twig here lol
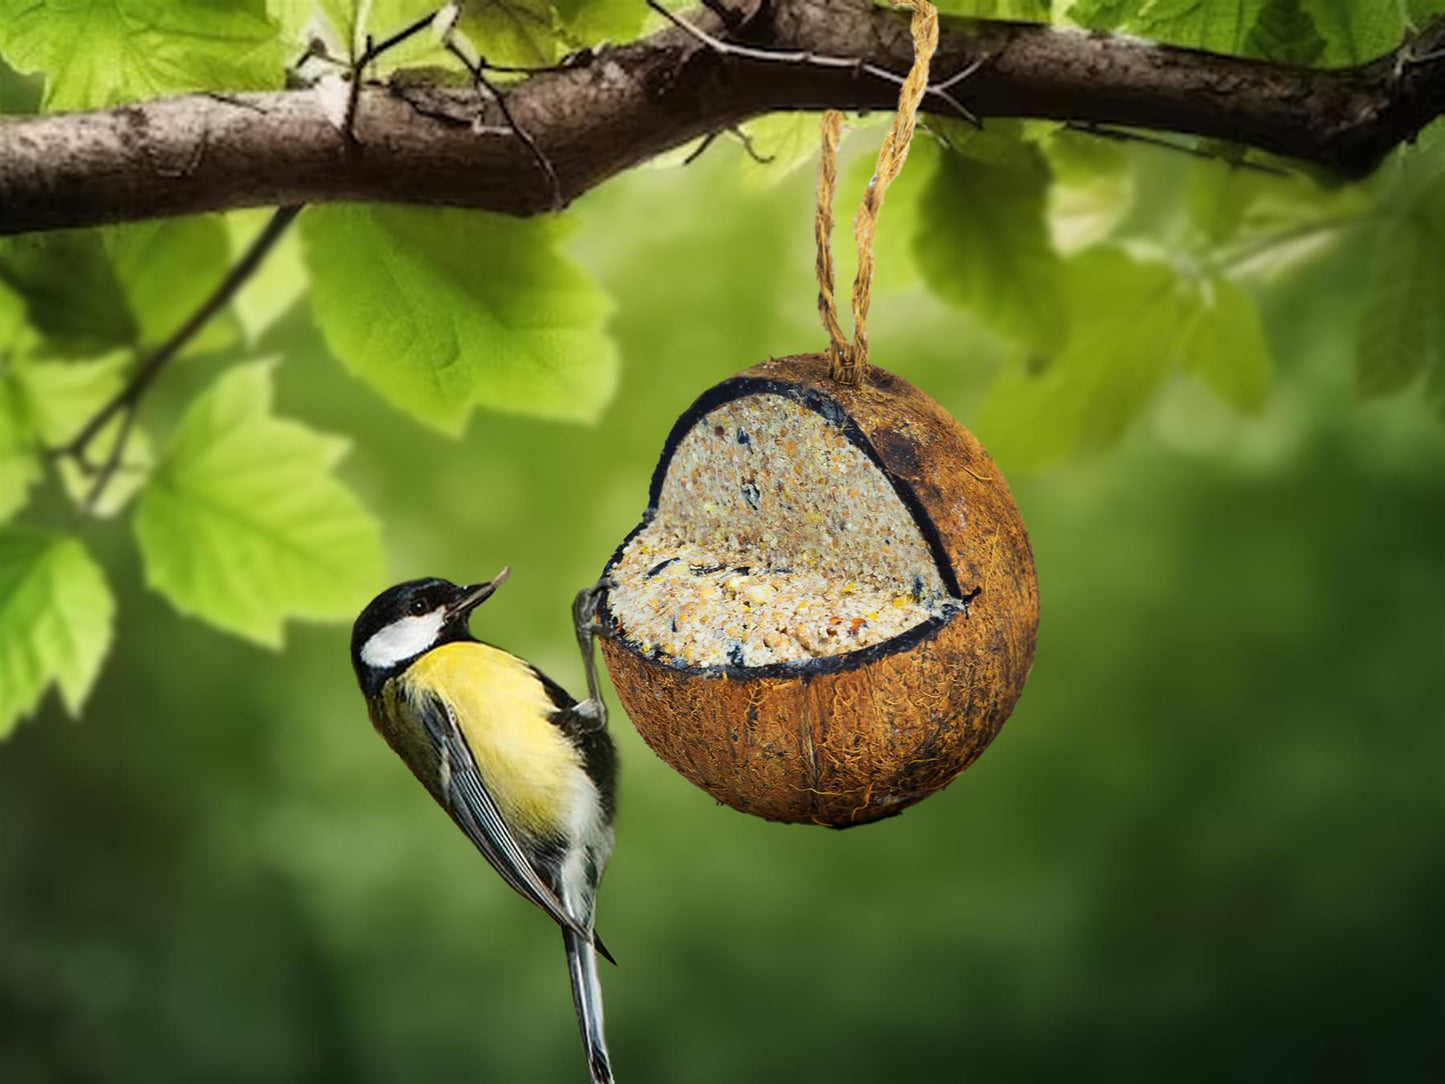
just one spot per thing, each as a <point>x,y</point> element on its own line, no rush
<point>369,54</point>
<point>127,398</point>
<point>233,99</point>
<point>937,133</point>
<point>108,469</point>
<point>802,56</point>
<point>525,136</point>
<point>741,135</point>
<point>1406,57</point>
<point>966,73</point>
<point>963,76</point>
<point>391,42</point>
<point>482,83</point>
<point>576,59</point>
<point>738,133</point>
<point>1122,135</point>
<point>696,153</point>
<point>353,96</point>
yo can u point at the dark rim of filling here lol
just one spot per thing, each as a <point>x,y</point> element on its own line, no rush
<point>833,412</point>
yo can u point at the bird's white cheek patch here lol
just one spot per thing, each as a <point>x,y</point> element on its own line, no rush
<point>402,639</point>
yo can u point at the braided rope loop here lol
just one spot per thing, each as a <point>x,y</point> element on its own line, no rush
<point>848,362</point>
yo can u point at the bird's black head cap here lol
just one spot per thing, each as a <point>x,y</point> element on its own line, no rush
<point>409,620</point>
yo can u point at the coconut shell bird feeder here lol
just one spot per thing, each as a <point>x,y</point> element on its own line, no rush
<point>829,607</point>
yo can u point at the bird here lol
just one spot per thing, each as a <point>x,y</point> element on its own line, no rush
<point>527,773</point>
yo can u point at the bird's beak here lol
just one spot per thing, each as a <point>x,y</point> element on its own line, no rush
<point>475,594</point>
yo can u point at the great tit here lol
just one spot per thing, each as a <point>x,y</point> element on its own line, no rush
<point>529,774</point>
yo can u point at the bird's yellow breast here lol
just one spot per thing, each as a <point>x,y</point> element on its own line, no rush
<point>503,711</point>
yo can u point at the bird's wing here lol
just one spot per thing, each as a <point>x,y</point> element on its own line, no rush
<point>476,813</point>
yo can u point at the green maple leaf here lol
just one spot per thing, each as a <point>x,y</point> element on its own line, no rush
<point>524,32</point>
<point>1032,11</point>
<point>443,310</point>
<point>1219,26</point>
<point>55,621</point>
<point>243,524</point>
<point>99,52</point>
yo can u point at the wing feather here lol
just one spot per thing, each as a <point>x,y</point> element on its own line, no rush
<point>475,811</point>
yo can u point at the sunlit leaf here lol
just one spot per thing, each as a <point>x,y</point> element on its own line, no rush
<point>278,283</point>
<point>99,52</point>
<point>524,32</point>
<point>378,18</point>
<point>243,524</point>
<point>166,268</point>
<point>56,398</point>
<point>345,24</point>
<point>302,23</point>
<point>1220,26</point>
<point>1102,14</point>
<point>594,21</point>
<point>1034,11</point>
<point>55,621</point>
<point>87,292</point>
<point>442,310</point>
<point>983,242</point>
<point>1402,328</point>
<point>19,463</point>
<point>71,292</point>
<point>782,143</point>
<point>43,404</point>
<point>19,467</point>
<point>123,482</point>
<point>48,402</point>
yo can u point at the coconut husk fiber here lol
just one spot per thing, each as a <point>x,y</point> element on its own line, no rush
<point>855,736</point>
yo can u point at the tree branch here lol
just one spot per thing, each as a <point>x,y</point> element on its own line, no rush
<point>613,109</point>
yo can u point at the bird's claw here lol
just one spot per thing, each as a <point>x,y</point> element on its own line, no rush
<point>586,605</point>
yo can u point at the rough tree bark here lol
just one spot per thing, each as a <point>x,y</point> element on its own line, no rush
<point>624,104</point>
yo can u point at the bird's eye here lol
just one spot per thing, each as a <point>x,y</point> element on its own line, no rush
<point>419,606</point>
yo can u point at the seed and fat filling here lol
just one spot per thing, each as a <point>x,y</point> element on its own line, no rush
<point>776,539</point>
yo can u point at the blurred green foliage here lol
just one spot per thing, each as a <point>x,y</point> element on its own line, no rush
<point>1208,845</point>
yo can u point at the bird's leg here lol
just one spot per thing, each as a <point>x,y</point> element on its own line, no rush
<point>584,620</point>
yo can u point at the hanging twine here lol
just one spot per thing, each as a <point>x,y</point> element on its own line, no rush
<point>848,362</point>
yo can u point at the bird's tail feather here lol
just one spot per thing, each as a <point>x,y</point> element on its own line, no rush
<point>587,997</point>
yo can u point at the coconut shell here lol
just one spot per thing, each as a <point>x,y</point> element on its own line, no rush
<point>856,737</point>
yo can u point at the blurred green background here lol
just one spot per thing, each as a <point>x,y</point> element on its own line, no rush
<point>1208,845</point>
